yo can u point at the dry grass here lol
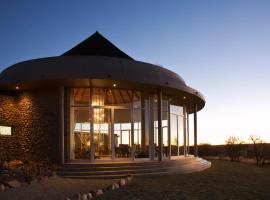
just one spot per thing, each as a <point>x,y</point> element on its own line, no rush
<point>224,180</point>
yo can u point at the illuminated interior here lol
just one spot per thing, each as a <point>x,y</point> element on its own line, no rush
<point>124,123</point>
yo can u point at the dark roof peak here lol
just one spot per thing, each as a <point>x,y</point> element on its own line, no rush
<point>97,45</point>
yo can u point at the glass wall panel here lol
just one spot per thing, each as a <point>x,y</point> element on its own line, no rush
<point>155,116</point>
<point>145,128</point>
<point>165,134</point>
<point>137,100</point>
<point>165,131</point>
<point>101,104</point>
<point>98,98</point>
<point>138,138</point>
<point>80,97</point>
<point>102,133</point>
<point>122,133</point>
<point>146,121</point>
<point>187,134</point>
<point>177,130</point>
<point>177,110</point>
<point>181,134</point>
<point>118,97</point>
<point>164,123</point>
<point>174,135</point>
<point>80,133</point>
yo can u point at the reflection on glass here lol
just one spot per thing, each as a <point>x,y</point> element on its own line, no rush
<point>138,138</point>
<point>145,127</point>
<point>101,103</point>
<point>155,118</point>
<point>174,135</point>
<point>165,137</point>
<point>122,133</point>
<point>80,133</point>
<point>80,97</point>
<point>181,134</point>
<point>102,133</point>
<point>165,126</point>
<point>177,130</point>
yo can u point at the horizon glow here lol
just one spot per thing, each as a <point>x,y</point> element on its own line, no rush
<point>220,48</point>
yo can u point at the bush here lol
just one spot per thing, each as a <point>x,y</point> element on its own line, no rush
<point>26,172</point>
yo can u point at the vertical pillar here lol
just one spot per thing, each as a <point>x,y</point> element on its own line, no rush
<point>160,139</point>
<point>91,110</point>
<point>151,129</point>
<point>62,123</point>
<point>185,130</point>
<point>187,133</point>
<point>112,134</point>
<point>121,141</point>
<point>178,135</point>
<point>70,138</point>
<point>132,128</point>
<point>169,129</point>
<point>195,132</point>
<point>143,123</point>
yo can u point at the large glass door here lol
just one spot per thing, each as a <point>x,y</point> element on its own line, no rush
<point>102,133</point>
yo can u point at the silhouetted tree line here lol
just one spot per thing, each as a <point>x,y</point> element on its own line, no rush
<point>235,149</point>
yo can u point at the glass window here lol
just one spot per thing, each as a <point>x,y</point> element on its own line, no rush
<point>80,97</point>
<point>177,130</point>
<point>181,134</point>
<point>177,110</point>
<point>94,107</point>
<point>122,131</point>
<point>136,100</point>
<point>80,133</point>
<point>174,135</point>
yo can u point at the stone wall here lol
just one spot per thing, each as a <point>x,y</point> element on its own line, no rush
<point>9,116</point>
<point>34,118</point>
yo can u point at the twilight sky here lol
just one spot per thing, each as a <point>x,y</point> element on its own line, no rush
<point>221,48</point>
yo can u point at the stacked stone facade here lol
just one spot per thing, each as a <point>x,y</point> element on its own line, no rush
<point>34,118</point>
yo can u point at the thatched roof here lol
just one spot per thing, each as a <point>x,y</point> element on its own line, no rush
<point>96,45</point>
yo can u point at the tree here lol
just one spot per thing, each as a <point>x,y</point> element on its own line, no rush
<point>235,148</point>
<point>260,150</point>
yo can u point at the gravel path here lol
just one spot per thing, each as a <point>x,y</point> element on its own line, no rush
<point>54,188</point>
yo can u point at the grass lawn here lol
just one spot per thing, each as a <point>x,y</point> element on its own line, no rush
<point>224,180</point>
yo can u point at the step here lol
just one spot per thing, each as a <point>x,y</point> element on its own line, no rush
<point>126,168</point>
<point>118,176</point>
<point>123,171</point>
<point>113,170</point>
<point>129,164</point>
<point>140,171</point>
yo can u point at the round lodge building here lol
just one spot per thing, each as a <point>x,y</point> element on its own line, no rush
<point>94,103</point>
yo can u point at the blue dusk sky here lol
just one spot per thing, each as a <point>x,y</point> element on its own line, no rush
<point>221,48</point>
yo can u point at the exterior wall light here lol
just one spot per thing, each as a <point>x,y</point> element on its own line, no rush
<point>114,85</point>
<point>17,87</point>
<point>5,130</point>
<point>184,97</point>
